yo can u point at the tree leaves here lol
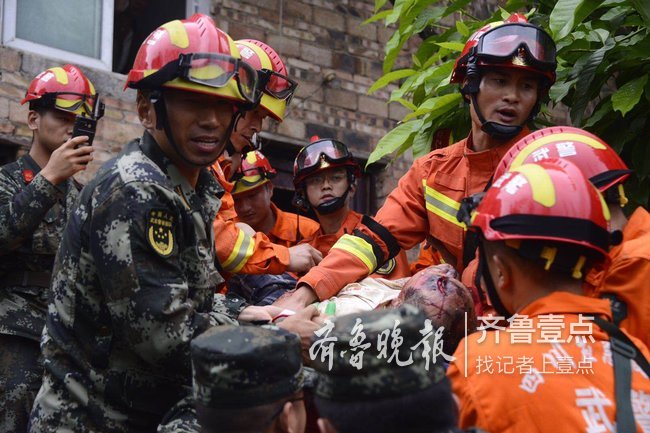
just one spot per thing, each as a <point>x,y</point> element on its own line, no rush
<point>629,95</point>
<point>603,51</point>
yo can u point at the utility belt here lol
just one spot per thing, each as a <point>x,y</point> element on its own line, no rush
<point>26,278</point>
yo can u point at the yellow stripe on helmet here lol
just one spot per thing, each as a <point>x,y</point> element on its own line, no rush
<point>540,183</point>
<point>60,74</point>
<point>177,33</point>
<point>565,136</point>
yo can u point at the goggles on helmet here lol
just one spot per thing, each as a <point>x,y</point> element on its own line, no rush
<point>79,103</point>
<point>277,85</point>
<point>504,42</point>
<point>207,69</point>
<point>253,171</point>
<point>332,150</point>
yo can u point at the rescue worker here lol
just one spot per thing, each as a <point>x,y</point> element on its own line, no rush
<point>624,282</point>
<point>37,193</point>
<point>253,192</point>
<point>241,250</point>
<point>365,385</point>
<point>134,278</point>
<point>505,71</point>
<point>560,361</point>
<point>325,174</point>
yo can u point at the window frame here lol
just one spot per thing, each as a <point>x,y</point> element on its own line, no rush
<point>105,62</point>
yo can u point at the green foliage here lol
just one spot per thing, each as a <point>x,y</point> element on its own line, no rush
<point>602,76</point>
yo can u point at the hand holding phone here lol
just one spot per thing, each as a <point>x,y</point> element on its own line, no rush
<point>87,125</point>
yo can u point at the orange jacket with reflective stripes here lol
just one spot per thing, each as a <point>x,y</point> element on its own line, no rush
<point>514,385</point>
<point>237,251</point>
<point>424,203</point>
<point>287,225</point>
<point>392,270</point>
<point>628,276</point>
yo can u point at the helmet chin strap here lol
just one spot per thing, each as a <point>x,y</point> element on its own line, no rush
<point>333,205</point>
<point>493,295</point>
<point>162,122</point>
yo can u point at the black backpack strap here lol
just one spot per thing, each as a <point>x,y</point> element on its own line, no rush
<point>471,239</point>
<point>623,352</point>
<point>619,308</point>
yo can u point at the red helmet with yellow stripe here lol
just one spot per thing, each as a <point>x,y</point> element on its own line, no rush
<point>275,86</point>
<point>595,158</point>
<point>196,56</point>
<point>64,88</point>
<point>255,170</point>
<point>552,201</point>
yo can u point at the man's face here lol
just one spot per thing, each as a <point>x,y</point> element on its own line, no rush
<point>199,124</point>
<point>326,185</point>
<point>254,206</point>
<point>249,125</point>
<point>53,127</point>
<point>506,96</point>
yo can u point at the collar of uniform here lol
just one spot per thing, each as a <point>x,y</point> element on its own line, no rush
<point>487,160</point>
<point>637,226</point>
<point>350,223</point>
<point>567,303</point>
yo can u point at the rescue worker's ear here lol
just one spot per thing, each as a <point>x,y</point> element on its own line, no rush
<point>33,120</point>
<point>325,426</point>
<point>146,111</point>
<point>501,269</point>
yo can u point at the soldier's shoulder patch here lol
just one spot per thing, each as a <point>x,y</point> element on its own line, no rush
<point>160,231</point>
<point>388,267</point>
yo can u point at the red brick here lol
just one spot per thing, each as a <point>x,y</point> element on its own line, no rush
<point>240,6</point>
<point>12,92</point>
<point>341,98</point>
<point>10,60</point>
<point>4,108</point>
<point>356,27</point>
<point>300,34</point>
<point>330,19</point>
<point>297,10</point>
<point>120,132</point>
<point>17,112</point>
<point>317,55</point>
<point>6,127</point>
<point>286,47</point>
<point>292,128</point>
<point>374,106</point>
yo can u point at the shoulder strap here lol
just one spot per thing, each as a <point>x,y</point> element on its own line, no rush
<point>623,352</point>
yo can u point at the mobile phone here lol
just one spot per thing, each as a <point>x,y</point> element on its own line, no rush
<point>87,125</point>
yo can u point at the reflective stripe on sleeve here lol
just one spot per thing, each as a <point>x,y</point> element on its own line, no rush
<point>359,248</point>
<point>240,254</point>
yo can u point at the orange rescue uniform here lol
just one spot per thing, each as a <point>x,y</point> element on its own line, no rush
<point>425,202</point>
<point>288,224</point>
<point>628,276</point>
<point>392,270</point>
<point>237,251</point>
<point>428,256</point>
<point>544,387</point>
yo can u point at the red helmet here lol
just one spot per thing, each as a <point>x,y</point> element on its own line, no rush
<point>551,200</point>
<point>321,155</point>
<point>64,88</point>
<point>513,43</point>
<point>255,170</point>
<point>597,160</point>
<point>275,86</point>
<point>196,56</point>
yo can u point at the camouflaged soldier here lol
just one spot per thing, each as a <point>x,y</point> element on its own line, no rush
<point>247,379</point>
<point>37,193</point>
<point>135,276</point>
<point>391,387</point>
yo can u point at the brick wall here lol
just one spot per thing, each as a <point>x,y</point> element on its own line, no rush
<point>314,37</point>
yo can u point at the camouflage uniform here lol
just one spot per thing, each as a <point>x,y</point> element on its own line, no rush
<point>133,283</point>
<point>33,213</point>
<point>238,368</point>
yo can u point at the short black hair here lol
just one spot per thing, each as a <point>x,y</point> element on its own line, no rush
<point>245,420</point>
<point>429,411</point>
